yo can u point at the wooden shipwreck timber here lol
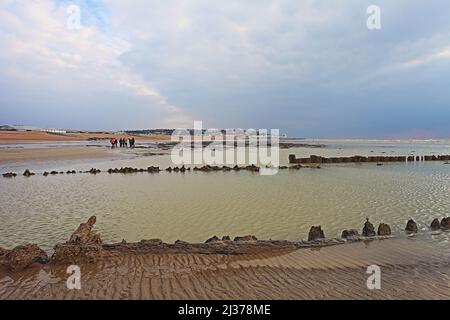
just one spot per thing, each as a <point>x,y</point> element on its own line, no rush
<point>374,159</point>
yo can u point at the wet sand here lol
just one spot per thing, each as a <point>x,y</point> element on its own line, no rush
<point>23,137</point>
<point>54,154</point>
<point>410,269</point>
<point>13,152</point>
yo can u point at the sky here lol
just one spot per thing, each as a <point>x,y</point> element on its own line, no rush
<point>310,68</point>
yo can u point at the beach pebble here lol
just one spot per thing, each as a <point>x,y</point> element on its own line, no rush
<point>316,233</point>
<point>212,239</point>
<point>152,242</point>
<point>246,238</point>
<point>181,243</point>
<point>83,244</point>
<point>411,226</point>
<point>435,225</point>
<point>445,223</point>
<point>23,256</point>
<point>384,230</point>
<point>346,234</point>
<point>28,173</point>
<point>9,175</point>
<point>369,229</point>
<point>3,251</point>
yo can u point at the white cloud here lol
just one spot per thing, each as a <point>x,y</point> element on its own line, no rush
<point>414,63</point>
<point>231,63</point>
<point>37,46</point>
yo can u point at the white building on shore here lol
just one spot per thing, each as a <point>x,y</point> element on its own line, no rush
<point>56,131</point>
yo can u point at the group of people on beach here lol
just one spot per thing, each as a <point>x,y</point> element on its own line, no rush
<point>122,142</point>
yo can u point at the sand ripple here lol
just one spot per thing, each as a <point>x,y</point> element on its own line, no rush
<point>410,269</point>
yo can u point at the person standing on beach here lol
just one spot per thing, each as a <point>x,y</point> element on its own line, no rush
<point>132,142</point>
<point>113,142</point>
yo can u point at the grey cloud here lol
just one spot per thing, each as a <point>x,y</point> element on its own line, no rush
<point>308,67</point>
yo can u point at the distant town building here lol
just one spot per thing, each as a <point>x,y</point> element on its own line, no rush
<point>56,131</point>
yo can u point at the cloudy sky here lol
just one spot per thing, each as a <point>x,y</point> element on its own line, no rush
<point>308,67</point>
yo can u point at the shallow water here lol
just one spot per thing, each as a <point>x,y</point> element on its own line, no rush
<point>196,205</point>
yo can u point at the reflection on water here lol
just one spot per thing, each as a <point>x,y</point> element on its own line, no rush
<point>195,206</point>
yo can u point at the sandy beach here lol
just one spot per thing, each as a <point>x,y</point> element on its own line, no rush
<point>21,147</point>
<point>252,150</point>
<point>53,154</point>
<point>24,137</point>
<point>410,269</point>
<point>16,146</point>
